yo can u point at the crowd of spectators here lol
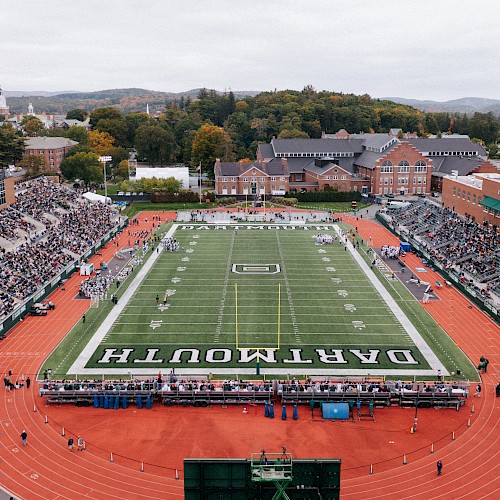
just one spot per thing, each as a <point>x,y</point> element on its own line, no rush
<point>11,222</point>
<point>458,243</point>
<point>71,226</point>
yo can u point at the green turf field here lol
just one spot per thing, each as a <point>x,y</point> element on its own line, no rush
<point>299,308</point>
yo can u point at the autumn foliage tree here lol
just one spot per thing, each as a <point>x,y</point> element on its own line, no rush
<point>211,142</point>
<point>99,142</point>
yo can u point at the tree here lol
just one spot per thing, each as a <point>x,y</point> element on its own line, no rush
<point>33,164</point>
<point>292,133</point>
<point>118,154</point>
<point>78,134</point>
<point>76,114</point>
<point>116,128</point>
<point>209,143</point>
<point>32,126</point>
<point>85,166</point>
<point>11,145</point>
<point>99,142</point>
<point>107,113</point>
<point>154,143</point>
<point>122,170</point>
<point>133,122</point>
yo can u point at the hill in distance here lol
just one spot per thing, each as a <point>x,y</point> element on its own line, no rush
<point>469,105</point>
<point>131,99</point>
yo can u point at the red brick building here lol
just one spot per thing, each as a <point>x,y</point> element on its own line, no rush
<point>376,164</point>
<point>476,195</point>
<point>53,150</point>
<point>7,190</point>
<point>245,178</point>
<point>402,170</point>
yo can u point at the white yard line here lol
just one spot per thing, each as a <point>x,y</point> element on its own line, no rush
<point>79,365</point>
<point>427,352</point>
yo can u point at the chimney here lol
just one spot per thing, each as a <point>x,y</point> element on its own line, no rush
<point>217,162</point>
<point>284,162</point>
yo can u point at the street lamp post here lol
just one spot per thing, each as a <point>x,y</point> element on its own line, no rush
<point>103,160</point>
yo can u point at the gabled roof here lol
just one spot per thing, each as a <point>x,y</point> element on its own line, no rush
<point>235,169</point>
<point>319,146</point>
<point>49,142</point>
<point>446,164</point>
<point>446,145</point>
<point>266,151</point>
<point>325,169</point>
<point>377,141</point>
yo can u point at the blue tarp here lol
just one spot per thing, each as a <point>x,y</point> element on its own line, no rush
<point>283,413</point>
<point>266,409</point>
<point>335,411</point>
<point>148,402</point>
<point>271,411</point>
<point>139,401</point>
<point>295,412</point>
<point>96,401</point>
<point>106,404</point>
<point>125,402</point>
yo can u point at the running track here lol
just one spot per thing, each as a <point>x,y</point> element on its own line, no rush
<point>46,470</point>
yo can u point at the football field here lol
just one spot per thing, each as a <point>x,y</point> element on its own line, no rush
<point>230,298</point>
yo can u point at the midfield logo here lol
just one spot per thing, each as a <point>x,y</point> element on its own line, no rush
<point>256,268</point>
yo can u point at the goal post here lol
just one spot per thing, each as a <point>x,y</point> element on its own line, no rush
<point>243,346</point>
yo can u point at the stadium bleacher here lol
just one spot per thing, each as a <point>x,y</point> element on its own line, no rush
<point>461,246</point>
<point>33,257</point>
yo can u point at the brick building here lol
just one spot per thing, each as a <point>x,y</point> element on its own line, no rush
<point>376,164</point>
<point>476,196</point>
<point>245,178</point>
<point>7,190</point>
<point>53,150</point>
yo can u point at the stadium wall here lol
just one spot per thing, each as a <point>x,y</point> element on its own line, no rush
<point>10,321</point>
<point>452,277</point>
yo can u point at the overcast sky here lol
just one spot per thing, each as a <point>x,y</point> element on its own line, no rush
<point>423,49</point>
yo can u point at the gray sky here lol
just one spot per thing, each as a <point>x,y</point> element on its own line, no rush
<point>423,49</point>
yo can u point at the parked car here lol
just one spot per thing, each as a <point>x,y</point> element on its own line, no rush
<point>45,306</point>
<point>35,311</point>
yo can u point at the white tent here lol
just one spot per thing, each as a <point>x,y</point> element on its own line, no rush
<point>97,198</point>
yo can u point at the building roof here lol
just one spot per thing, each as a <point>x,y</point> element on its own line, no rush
<point>266,151</point>
<point>49,142</point>
<point>446,164</point>
<point>459,145</point>
<point>376,141</point>
<point>234,169</point>
<point>367,159</point>
<point>316,146</point>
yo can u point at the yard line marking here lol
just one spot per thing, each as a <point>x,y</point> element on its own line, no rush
<point>222,305</point>
<point>288,292</point>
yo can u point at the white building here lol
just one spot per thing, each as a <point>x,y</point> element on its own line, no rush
<point>179,173</point>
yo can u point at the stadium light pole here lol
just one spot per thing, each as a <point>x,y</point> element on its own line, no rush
<point>103,160</point>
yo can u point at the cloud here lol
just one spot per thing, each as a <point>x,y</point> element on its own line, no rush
<point>417,48</point>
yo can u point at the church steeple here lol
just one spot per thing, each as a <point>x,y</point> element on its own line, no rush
<point>4,109</point>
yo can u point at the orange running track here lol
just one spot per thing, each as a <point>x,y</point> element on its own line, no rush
<point>157,440</point>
